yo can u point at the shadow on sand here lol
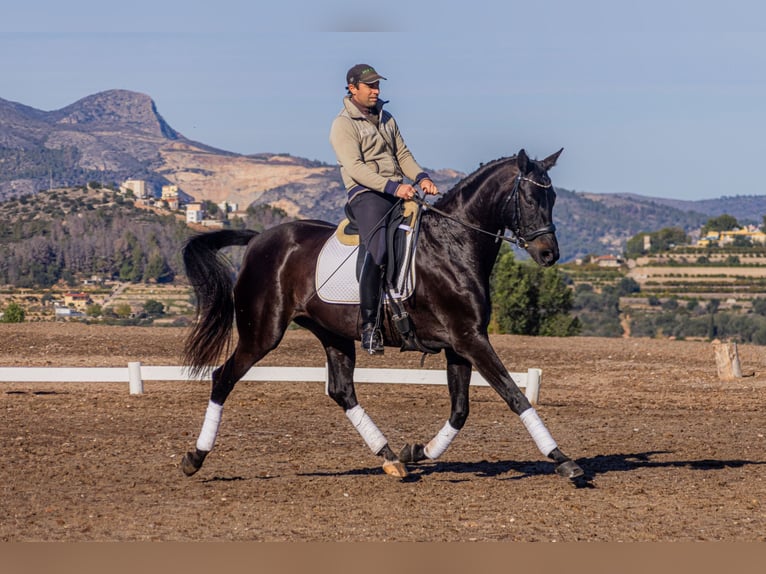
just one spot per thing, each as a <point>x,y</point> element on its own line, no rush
<point>593,467</point>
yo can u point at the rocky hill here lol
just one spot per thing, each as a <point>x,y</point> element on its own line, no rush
<point>117,135</point>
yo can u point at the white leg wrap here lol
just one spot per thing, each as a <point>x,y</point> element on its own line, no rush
<point>209,431</point>
<point>537,430</point>
<point>365,427</point>
<point>436,447</point>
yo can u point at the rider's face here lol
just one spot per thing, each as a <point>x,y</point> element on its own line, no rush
<point>365,94</point>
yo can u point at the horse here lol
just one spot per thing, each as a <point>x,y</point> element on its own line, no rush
<point>458,243</point>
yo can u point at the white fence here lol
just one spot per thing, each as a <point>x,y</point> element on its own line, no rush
<point>136,373</point>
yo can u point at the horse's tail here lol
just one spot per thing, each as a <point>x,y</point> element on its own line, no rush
<point>210,274</point>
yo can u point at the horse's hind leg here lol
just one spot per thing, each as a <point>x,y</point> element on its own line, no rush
<point>224,379</point>
<point>341,359</point>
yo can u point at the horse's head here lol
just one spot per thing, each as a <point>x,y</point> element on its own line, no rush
<point>530,211</point>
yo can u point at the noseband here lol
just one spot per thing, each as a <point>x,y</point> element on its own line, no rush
<point>515,228</point>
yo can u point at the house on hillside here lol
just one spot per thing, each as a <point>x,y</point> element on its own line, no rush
<point>137,186</point>
<point>722,238</point>
<point>174,197</point>
<point>606,260</point>
<point>195,212</point>
<point>170,196</point>
<point>66,312</point>
<point>228,208</point>
<point>77,301</point>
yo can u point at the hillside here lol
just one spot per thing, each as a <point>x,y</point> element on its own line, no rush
<point>83,232</point>
<point>600,224</point>
<point>118,134</point>
<point>746,208</point>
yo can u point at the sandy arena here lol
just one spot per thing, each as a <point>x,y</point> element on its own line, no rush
<point>674,454</point>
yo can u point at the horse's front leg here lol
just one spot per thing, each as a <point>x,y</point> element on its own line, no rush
<point>458,380</point>
<point>341,358</point>
<point>480,352</point>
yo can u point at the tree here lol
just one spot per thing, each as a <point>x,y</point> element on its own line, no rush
<point>723,222</point>
<point>662,240</point>
<point>598,313</point>
<point>759,306</point>
<point>712,307</point>
<point>14,313</point>
<point>628,286</point>
<point>530,300</point>
<point>154,307</point>
<point>94,310</point>
<point>668,237</point>
<point>123,310</point>
<point>554,301</point>
<point>742,241</point>
<point>157,269</point>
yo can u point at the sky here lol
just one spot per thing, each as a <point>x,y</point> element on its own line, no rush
<point>659,98</point>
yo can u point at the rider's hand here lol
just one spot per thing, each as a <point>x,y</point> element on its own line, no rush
<point>405,191</point>
<point>428,186</point>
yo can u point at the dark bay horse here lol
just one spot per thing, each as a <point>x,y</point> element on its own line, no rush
<point>450,308</point>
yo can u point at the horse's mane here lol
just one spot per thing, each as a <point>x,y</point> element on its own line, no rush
<point>468,183</point>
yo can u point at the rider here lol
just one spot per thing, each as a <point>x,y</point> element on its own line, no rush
<point>374,160</point>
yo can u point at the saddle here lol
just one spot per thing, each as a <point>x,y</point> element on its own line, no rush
<point>340,263</point>
<point>400,228</point>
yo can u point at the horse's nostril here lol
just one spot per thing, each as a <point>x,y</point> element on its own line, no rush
<point>548,257</point>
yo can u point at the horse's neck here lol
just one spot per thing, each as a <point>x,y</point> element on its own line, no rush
<point>481,202</point>
<point>476,203</point>
<point>458,236</point>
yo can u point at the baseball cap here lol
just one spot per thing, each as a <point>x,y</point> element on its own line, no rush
<point>362,73</point>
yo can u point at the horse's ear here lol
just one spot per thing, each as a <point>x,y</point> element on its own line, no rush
<point>550,161</point>
<point>522,160</point>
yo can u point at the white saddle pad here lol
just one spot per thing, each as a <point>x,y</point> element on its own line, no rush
<point>335,279</point>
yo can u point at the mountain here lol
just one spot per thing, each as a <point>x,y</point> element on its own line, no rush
<point>118,134</point>
<point>589,223</point>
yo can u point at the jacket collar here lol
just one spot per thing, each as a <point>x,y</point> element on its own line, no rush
<point>356,113</point>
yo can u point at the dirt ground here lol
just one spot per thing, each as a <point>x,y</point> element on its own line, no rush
<point>673,453</point>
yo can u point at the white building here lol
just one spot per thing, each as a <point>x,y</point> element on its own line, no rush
<point>137,186</point>
<point>227,207</point>
<point>195,213</point>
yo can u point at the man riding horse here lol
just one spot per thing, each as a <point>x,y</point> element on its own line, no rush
<point>374,160</point>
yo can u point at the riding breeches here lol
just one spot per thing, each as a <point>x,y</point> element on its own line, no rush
<point>371,210</point>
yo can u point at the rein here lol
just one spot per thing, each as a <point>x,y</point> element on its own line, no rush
<point>517,238</point>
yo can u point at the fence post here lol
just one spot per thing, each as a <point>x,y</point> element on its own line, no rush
<point>727,361</point>
<point>532,391</point>
<point>134,378</point>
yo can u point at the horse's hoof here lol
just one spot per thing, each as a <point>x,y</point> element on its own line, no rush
<point>187,466</point>
<point>395,468</point>
<point>192,462</point>
<point>569,469</point>
<point>411,453</point>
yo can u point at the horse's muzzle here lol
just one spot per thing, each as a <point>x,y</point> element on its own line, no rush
<point>544,250</point>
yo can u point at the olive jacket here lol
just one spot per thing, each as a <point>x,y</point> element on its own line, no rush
<point>371,157</point>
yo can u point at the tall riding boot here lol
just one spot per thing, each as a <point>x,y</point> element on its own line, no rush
<point>369,303</point>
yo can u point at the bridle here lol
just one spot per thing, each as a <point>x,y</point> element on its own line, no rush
<point>517,238</point>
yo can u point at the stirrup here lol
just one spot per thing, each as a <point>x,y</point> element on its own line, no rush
<point>372,340</point>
